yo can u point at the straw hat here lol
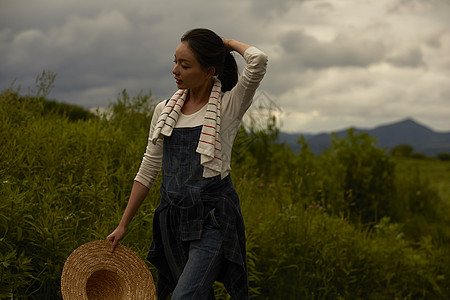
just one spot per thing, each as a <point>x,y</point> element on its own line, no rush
<point>93,272</point>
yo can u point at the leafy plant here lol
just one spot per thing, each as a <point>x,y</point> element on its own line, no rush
<point>65,183</point>
<point>366,175</point>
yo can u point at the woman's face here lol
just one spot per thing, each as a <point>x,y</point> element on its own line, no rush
<point>188,72</point>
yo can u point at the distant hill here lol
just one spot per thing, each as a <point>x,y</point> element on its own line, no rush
<point>421,138</point>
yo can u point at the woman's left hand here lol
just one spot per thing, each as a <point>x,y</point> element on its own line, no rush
<point>234,45</point>
<point>226,43</point>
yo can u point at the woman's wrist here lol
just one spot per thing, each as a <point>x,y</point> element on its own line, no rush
<point>234,45</point>
<point>122,225</point>
<point>226,43</point>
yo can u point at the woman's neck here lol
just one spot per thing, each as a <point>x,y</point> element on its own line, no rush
<point>201,94</point>
<point>197,98</point>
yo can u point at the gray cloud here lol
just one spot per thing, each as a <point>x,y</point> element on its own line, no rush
<point>272,9</point>
<point>412,58</point>
<point>406,6</point>
<point>104,51</point>
<point>330,63</point>
<point>303,50</point>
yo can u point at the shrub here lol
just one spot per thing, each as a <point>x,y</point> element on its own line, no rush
<point>402,150</point>
<point>364,175</point>
<point>443,156</point>
<point>311,255</point>
<point>65,183</point>
<point>418,156</point>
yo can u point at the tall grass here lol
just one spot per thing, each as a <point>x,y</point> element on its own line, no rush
<point>314,230</point>
<point>63,183</point>
<point>435,172</point>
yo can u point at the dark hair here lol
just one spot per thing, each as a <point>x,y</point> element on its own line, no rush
<point>210,51</point>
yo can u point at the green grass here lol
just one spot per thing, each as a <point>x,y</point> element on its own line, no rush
<point>65,182</point>
<point>436,172</point>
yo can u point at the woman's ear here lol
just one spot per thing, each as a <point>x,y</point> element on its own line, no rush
<point>211,71</point>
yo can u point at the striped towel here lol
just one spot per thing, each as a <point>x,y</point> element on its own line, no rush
<point>169,116</point>
<point>209,145</point>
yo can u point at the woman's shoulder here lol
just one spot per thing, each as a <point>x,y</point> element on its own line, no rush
<point>158,110</point>
<point>161,104</point>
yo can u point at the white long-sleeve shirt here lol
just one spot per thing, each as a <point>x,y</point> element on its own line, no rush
<point>234,104</point>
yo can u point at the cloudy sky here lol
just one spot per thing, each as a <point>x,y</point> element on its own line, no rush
<point>332,63</point>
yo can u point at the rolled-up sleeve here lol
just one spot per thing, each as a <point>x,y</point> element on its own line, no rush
<point>239,99</point>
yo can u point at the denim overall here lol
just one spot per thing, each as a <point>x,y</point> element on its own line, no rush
<point>198,222</point>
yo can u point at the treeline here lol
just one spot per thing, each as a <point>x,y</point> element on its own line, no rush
<point>345,224</point>
<point>405,150</point>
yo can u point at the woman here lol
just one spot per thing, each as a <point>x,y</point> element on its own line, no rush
<point>198,229</point>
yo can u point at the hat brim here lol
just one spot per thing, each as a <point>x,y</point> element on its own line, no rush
<point>93,272</point>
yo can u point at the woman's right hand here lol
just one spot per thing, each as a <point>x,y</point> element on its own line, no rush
<point>116,236</point>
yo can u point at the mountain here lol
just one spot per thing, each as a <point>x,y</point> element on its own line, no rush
<point>421,138</point>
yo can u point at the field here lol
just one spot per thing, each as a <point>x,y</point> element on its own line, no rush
<point>351,223</point>
<point>436,172</point>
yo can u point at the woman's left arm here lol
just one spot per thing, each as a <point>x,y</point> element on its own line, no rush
<point>240,97</point>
